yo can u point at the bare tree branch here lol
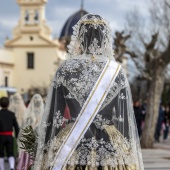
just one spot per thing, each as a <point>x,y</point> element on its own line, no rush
<point>156,57</point>
<point>119,43</point>
<point>165,57</point>
<point>166,2</point>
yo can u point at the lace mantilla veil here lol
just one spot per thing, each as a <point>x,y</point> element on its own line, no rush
<point>111,141</point>
<point>34,111</point>
<point>18,107</point>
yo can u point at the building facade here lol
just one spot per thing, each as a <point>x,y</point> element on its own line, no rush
<point>29,58</point>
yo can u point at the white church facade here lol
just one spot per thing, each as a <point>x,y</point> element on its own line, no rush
<point>30,58</point>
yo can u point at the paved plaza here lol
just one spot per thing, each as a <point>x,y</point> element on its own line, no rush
<point>156,159</point>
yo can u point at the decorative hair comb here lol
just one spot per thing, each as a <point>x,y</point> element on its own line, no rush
<point>93,22</point>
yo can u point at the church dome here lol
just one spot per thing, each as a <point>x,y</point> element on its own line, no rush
<point>67,30</point>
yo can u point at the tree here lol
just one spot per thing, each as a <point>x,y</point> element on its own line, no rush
<point>149,48</point>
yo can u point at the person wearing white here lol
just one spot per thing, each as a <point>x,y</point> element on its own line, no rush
<point>34,111</point>
<point>18,107</point>
<point>101,133</point>
<point>32,118</point>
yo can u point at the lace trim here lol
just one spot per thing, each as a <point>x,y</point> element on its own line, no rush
<point>79,77</point>
<point>94,152</point>
<point>75,47</point>
<point>59,120</point>
<point>82,77</point>
<point>100,122</point>
<point>94,48</point>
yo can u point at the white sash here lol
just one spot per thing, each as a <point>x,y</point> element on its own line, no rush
<point>87,114</point>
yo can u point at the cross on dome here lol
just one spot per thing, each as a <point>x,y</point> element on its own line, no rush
<point>82,4</point>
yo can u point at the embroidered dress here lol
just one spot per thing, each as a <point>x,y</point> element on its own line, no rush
<point>32,117</point>
<point>18,107</point>
<point>110,141</point>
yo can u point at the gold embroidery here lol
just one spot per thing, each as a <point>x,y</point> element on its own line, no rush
<point>94,22</point>
<point>96,107</point>
<point>84,107</point>
<point>93,58</point>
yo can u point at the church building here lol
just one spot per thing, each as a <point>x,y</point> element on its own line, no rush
<point>31,57</point>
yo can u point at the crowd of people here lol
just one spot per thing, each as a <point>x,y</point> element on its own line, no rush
<point>14,114</point>
<point>163,122</point>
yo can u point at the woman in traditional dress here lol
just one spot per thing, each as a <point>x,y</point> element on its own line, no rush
<point>32,118</point>
<point>100,133</point>
<point>18,107</point>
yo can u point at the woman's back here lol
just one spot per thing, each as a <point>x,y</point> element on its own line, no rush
<point>108,138</point>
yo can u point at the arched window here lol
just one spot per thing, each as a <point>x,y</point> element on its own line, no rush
<point>26,17</point>
<point>36,17</point>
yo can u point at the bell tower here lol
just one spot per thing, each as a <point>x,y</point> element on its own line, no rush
<point>32,17</point>
<point>32,12</point>
<point>31,23</point>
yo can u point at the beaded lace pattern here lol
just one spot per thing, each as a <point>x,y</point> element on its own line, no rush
<point>112,138</point>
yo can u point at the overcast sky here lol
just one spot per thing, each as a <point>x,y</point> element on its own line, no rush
<point>58,11</point>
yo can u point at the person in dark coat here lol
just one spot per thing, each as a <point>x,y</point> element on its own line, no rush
<point>7,123</point>
<point>160,120</point>
<point>166,123</point>
<point>138,116</point>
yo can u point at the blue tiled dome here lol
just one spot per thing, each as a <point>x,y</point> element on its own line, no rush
<point>72,20</point>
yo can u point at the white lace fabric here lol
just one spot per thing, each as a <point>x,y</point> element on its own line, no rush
<point>18,107</point>
<point>84,39</point>
<point>34,111</point>
<point>112,138</point>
